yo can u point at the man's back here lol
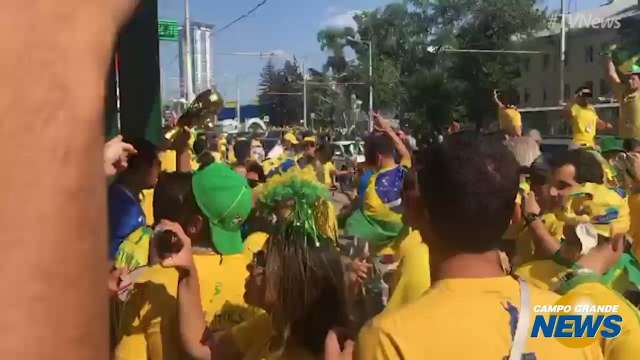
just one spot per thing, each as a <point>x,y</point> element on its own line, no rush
<point>462,319</point>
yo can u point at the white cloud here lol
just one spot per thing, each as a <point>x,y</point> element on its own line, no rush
<point>339,19</point>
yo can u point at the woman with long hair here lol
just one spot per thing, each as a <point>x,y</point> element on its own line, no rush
<point>297,279</point>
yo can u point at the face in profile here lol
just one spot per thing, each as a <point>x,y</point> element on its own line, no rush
<point>561,184</point>
<point>152,174</point>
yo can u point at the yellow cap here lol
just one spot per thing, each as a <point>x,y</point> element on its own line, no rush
<point>309,139</point>
<point>607,209</point>
<point>291,138</point>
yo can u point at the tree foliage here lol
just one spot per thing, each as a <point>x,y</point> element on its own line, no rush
<point>280,92</point>
<point>425,85</point>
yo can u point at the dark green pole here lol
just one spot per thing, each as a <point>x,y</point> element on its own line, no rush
<point>139,75</point>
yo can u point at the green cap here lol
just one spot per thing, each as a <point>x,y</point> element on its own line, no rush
<point>226,200</point>
<point>610,143</point>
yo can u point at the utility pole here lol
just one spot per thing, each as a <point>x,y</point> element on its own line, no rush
<point>370,86</point>
<point>370,45</point>
<point>187,53</point>
<point>238,99</point>
<point>563,45</point>
<point>304,94</point>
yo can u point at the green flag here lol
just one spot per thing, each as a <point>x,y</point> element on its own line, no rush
<point>626,57</point>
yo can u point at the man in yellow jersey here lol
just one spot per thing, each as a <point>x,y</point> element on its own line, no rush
<point>526,248</point>
<point>585,280</point>
<point>596,204</point>
<point>472,310</point>
<point>508,115</point>
<point>412,276</point>
<point>627,93</point>
<point>216,204</point>
<point>632,147</point>
<point>568,172</point>
<point>583,118</point>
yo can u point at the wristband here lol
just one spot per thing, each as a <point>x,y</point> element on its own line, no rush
<point>531,217</point>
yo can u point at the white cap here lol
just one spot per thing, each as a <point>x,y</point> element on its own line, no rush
<point>588,236</point>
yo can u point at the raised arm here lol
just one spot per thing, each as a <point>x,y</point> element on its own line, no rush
<point>385,126</point>
<point>183,153</point>
<point>496,99</point>
<point>545,243</point>
<point>190,315</point>
<point>612,74</point>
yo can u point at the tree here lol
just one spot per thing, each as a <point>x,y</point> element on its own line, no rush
<point>267,86</point>
<point>486,24</point>
<point>429,88</point>
<point>279,92</point>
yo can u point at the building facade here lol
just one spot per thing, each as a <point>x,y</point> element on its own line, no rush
<point>201,58</point>
<point>589,33</point>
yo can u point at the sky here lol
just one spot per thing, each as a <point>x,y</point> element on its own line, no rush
<point>290,26</point>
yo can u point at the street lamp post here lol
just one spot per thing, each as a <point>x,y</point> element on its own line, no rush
<point>563,47</point>
<point>187,52</point>
<point>370,45</point>
<point>304,94</point>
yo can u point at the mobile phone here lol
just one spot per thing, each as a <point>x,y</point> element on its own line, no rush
<point>167,243</point>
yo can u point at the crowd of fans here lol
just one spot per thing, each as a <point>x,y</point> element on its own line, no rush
<point>441,254</point>
<point>221,250</point>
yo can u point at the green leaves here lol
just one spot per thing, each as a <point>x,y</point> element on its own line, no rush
<point>432,88</point>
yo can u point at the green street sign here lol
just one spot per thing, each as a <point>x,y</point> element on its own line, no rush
<point>168,30</point>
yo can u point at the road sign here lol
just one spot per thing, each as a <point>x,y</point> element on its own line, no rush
<point>168,30</point>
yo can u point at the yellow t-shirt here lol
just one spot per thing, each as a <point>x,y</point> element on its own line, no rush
<point>327,169</point>
<point>634,230</point>
<point>253,337</point>
<point>510,120</point>
<point>146,201</point>
<point>148,326</point>
<point>542,274</point>
<point>255,242</point>
<point>167,160</point>
<point>525,245</point>
<point>629,123</point>
<point>412,278</point>
<point>584,121</point>
<point>625,346</point>
<point>460,319</point>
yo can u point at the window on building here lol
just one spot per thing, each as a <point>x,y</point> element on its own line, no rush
<point>567,91</point>
<point>588,54</point>
<point>527,96</point>
<point>604,87</point>
<point>545,61</point>
<point>544,95</point>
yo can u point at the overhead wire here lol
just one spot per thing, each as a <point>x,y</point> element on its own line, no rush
<point>241,17</point>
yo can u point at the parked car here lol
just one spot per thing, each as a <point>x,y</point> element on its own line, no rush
<point>348,153</point>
